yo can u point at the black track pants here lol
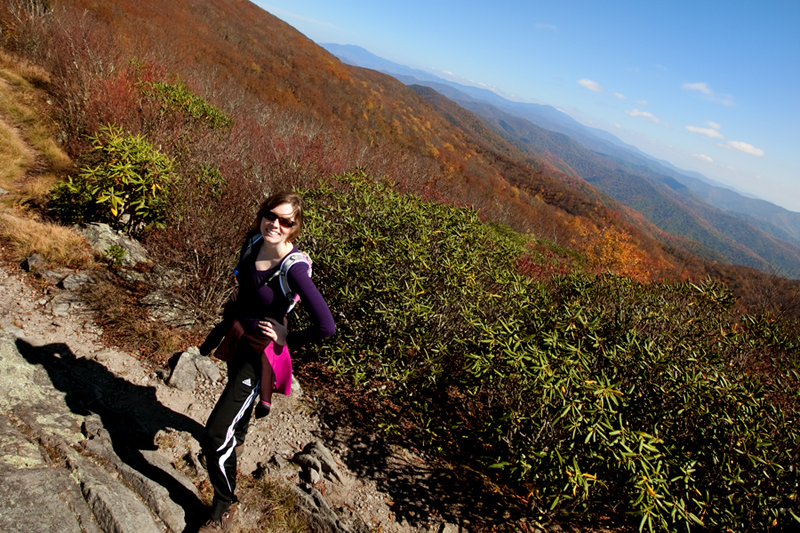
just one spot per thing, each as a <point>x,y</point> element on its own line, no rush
<point>226,426</point>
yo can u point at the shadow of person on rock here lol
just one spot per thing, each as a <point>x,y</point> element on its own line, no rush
<point>130,413</point>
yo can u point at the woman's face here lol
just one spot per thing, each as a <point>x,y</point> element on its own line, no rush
<point>276,231</point>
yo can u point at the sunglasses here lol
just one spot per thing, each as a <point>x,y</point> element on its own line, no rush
<point>284,222</point>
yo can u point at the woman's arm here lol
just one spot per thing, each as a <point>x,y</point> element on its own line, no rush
<point>322,323</point>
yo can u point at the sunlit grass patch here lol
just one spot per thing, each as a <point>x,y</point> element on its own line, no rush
<point>21,71</point>
<point>57,245</point>
<point>15,157</point>
<point>24,106</point>
<point>35,190</point>
<point>268,506</point>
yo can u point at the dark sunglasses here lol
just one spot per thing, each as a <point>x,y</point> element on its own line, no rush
<point>284,222</point>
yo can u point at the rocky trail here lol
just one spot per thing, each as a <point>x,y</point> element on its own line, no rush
<point>92,440</point>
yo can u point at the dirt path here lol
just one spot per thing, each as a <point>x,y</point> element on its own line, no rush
<point>391,489</point>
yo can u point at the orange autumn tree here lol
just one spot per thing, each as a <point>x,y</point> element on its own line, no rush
<point>611,249</point>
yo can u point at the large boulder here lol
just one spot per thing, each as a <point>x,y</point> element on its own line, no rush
<point>105,241</point>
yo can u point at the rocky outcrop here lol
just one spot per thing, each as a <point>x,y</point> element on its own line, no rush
<point>106,241</point>
<point>61,467</point>
<point>79,450</point>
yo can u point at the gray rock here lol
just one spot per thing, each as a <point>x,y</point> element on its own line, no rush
<point>64,304</point>
<point>277,462</point>
<point>297,390</point>
<point>206,367</point>
<point>48,485</point>
<point>12,329</point>
<point>75,281</point>
<point>184,374</point>
<point>307,461</point>
<point>164,305</point>
<point>33,262</point>
<point>43,499</point>
<point>154,495</point>
<point>54,278</point>
<point>321,517</point>
<point>327,463</point>
<point>190,366</point>
<point>118,511</point>
<point>3,191</point>
<point>102,238</point>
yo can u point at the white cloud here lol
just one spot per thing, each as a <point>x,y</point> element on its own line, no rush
<point>702,87</point>
<point>549,27</point>
<point>617,125</point>
<point>709,94</point>
<point>744,148</point>
<point>713,125</point>
<point>620,96</point>
<point>591,85</point>
<point>642,102</point>
<point>703,157</point>
<point>708,132</point>
<point>645,114</point>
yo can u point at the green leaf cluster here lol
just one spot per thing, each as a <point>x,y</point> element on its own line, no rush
<point>585,391</point>
<point>127,188</point>
<point>180,97</point>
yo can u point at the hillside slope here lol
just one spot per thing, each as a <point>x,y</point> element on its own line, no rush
<point>740,240</point>
<point>665,202</point>
<point>328,116</point>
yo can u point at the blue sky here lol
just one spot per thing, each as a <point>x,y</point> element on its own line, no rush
<point>709,86</point>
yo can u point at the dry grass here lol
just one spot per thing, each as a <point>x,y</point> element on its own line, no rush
<point>24,106</point>
<point>35,190</point>
<point>268,506</point>
<point>15,156</point>
<point>57,245</point>
<point>24,69</point>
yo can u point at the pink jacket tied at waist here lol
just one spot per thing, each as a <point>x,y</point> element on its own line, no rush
<point>276,369</point>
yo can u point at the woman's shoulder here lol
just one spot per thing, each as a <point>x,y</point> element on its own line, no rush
<point>300,265</point>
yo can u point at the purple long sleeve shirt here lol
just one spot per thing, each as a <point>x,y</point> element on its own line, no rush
<point>258,299</point>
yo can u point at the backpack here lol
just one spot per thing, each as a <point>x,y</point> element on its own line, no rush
<point>287,263</point>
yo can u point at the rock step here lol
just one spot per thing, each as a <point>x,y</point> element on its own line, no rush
<point>59,466</point>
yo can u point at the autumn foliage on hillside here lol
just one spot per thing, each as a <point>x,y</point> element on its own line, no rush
<point>288,100</point>
<point>535,308</point>
<point>297,114</point>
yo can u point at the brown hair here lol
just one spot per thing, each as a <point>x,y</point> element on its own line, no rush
<point>274,201</point>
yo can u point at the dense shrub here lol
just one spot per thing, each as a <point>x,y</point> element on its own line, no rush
<point>585,390</point>
<point>126,187</point>
<point>179,96</point>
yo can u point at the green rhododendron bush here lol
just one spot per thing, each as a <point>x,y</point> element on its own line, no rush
<point>583,391</point>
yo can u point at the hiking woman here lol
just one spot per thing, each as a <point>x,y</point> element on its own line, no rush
<point>260,311</point>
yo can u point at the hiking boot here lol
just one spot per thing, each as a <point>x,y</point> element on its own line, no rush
<point>219,526</point>
<point>202,457</point>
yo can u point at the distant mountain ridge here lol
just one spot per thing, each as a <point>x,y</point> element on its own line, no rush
<point>742,229</point>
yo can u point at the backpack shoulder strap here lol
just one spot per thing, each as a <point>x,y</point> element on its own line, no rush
<point>246,251</point>
<point>287,263</point>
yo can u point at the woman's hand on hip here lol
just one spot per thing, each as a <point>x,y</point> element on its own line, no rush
<point>274,330</point>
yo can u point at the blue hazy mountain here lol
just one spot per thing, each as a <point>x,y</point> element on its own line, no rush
<point>770,218</point>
